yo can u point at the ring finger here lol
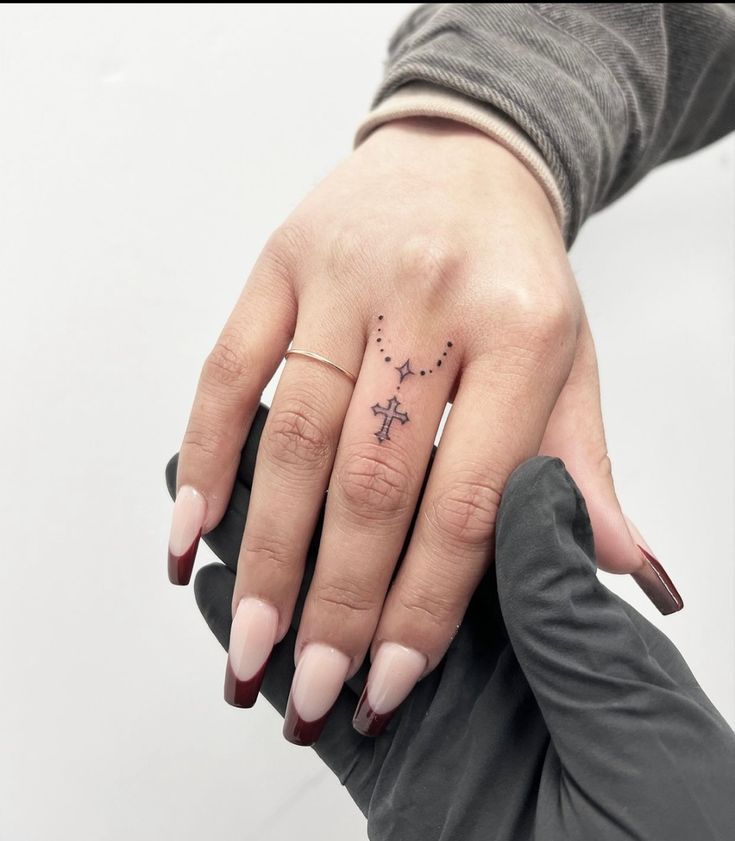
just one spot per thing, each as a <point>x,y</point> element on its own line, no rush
<point>496,423</point>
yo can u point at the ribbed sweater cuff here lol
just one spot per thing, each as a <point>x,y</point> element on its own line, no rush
<point>425,100</point>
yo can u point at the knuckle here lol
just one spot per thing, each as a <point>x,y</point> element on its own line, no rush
<point>604,468</point>
<point>297,437</point>
<point>428,606</point>
<point>269,552</point>
<point>207,443</point>
<point>556,318</point>
<point>427,260</point>
<point>285,245</point>
<point>375,483</point>
<point>349,255</point>
<point>346,594</point>
<point>228,364</point>
<point>464,511</point>
<point>544,319</point>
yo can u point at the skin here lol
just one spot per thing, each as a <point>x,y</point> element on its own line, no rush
<point>445,234</point>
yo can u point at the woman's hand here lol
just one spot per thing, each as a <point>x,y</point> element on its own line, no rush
<point>558,712</point>
<point>431,266</point>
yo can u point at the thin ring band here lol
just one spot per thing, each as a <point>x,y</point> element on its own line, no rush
<point>319,358</point>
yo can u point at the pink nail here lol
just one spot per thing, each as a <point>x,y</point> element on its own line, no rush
<point>190,510</point>
<point>252,638</point>
<point>393,674</point>
<point>320,675</point>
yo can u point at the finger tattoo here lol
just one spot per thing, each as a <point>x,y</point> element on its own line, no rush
<point>404,370</point>
<point>391,412</point>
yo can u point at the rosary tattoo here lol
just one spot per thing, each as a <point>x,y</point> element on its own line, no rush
<point>391,412</point>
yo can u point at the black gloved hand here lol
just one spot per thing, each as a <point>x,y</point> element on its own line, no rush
<point>558,712</point>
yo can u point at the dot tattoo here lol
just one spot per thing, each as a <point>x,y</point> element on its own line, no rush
<point>391,412</point>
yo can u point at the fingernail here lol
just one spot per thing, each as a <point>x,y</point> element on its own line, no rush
<point>653,579</point>
<point>320,675</point>
<point>393,674</point>
<point>252,637</point>
<point>190,510</point>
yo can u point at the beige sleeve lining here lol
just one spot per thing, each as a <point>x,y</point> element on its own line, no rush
<point>424,100</point>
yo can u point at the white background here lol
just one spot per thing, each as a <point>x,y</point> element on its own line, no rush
<point>145,155</point>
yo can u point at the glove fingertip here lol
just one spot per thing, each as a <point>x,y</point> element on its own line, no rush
<point>540,494</point>
<point>213,588</point>
<point>544,544</point>
<point>171,468</point>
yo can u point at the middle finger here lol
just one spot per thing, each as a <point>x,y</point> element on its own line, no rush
<point>384,449</point>
<point>292,470</point>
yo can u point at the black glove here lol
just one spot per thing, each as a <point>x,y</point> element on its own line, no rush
<point>558,712</point>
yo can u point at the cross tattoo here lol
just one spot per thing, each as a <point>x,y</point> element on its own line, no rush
<point>390,413</point>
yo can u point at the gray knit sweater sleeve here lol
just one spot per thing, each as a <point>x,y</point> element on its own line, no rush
<point>606,91</point>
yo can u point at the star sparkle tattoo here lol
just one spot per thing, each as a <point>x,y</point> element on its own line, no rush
<point>391,412</point>
<point>404,370</point>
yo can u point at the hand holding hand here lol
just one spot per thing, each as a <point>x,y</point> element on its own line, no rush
<point>427,268</point>
<point>557,713</point>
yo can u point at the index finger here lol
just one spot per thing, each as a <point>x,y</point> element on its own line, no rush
<point>233,377</point>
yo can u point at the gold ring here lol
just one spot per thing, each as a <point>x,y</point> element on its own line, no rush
<point>319,358</point>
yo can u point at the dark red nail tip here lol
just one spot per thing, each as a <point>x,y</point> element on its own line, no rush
<point>180,566</point>
<point>653,579</point>
<point>242,693</point>
<point>300,732</point>
<point>366,721</point>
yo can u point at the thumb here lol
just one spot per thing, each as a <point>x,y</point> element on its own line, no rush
<point>575,434</point>
<point>635,737</point>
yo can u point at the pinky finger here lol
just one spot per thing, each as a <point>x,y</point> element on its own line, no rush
<point>575,434</point>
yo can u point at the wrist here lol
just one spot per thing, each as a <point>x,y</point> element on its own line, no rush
<point>437,139</point>
<point>432,101</point>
